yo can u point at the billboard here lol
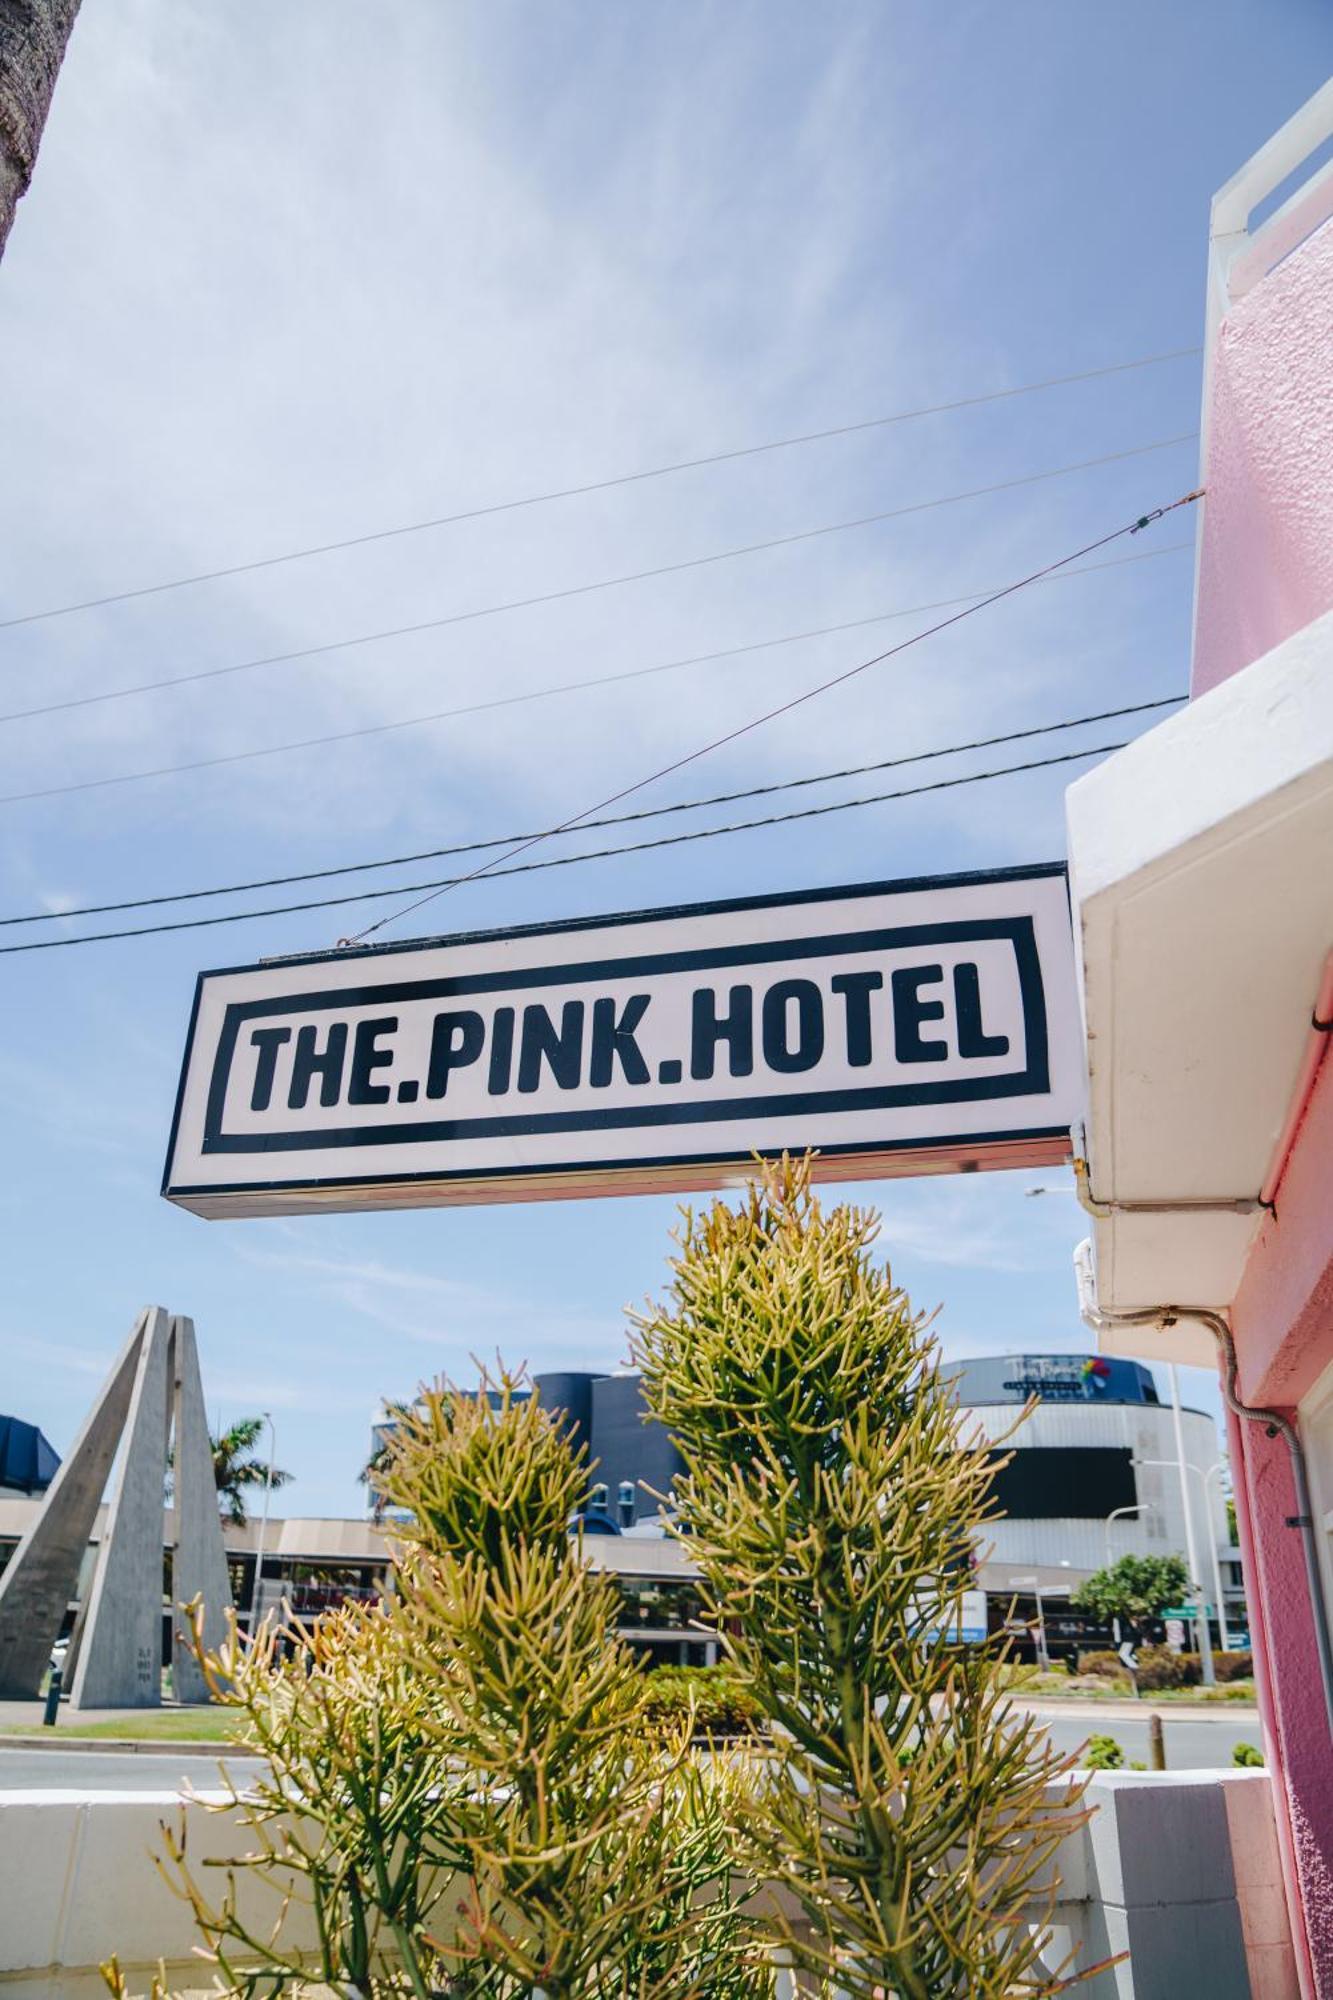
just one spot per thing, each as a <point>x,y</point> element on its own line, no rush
<point>899,1027</point>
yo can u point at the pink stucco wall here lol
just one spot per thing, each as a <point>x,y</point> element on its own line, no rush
<point>1282,1318</point>
<point>1295,1729</point>
<point>1266,555</point>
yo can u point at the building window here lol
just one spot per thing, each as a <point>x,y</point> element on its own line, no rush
<point>1056,1482</point>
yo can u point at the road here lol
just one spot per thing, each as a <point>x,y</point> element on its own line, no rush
<point>79,1769</point>
<point>1194,1742</point>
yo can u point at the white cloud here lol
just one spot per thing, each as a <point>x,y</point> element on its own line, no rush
<point>977,1222</point>
<point>364,334</point>
<point>458,1319</point>
<point>62,1354</point>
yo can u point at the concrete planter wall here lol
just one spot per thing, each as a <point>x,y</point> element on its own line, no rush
<point>1179,1870</point>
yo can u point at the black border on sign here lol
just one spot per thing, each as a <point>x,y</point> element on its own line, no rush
<point>1035,1080</point>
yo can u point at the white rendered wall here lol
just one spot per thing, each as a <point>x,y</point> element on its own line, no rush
<point>1177,1870</point>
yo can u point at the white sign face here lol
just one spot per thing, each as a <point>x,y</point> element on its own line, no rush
<point>904,1027</point>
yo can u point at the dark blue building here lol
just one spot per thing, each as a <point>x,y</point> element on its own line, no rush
<point>28,1463</point>
<point>633,1457</point>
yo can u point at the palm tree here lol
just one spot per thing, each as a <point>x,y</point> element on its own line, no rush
<point>236,1471</point>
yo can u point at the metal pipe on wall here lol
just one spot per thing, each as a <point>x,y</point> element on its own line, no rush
<point>1273,1421</point>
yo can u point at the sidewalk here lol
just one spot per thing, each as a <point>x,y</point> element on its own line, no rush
<point>1129,1710</point>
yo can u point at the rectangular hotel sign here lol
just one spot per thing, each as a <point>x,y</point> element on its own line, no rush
<point>897,1028</point>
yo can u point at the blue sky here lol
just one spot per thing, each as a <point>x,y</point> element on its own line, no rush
<point>353,267</point>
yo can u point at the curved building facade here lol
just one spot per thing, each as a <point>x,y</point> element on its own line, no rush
<point>1092,1474</point>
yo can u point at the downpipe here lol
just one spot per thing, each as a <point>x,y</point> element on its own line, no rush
<point>1275,1423</point>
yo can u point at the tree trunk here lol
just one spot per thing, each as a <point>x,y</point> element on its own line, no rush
<point>33,34</point>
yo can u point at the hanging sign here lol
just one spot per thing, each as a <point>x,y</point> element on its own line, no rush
<point>897,1028</point>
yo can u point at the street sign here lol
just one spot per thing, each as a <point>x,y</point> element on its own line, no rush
<point>1187,1611</point>
<point>968,1626</point>
<point>898,1028</point>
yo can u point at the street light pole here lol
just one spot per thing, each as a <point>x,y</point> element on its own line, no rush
<point>1205,1642</point>
<point>263,1520</point>
<point>1143,1507</point>
<point>1218,1465</point>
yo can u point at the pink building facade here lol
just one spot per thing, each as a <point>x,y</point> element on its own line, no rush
<point>1202,869</point>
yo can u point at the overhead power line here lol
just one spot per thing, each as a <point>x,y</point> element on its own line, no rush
<point>592,486</point>
<point>536,694</point>
<point>584,589</point>
<point>617,819</point>
<point>562,860</point>
<point>794,702</point>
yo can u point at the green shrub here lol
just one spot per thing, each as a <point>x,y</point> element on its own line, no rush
<point>1159,1667</point>
<point>1246,1754</point>
<point>1102,1754</point>
<point>1233,1666</point>
<point>1106,1666</point>
<point>720,1701</point>
<point>1055,1682</point>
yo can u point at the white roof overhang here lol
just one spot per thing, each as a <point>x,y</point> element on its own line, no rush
<point>1201,864</point>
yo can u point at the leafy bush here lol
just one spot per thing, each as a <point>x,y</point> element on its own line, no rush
<point>1105,1666</point>
<point>718,1698</point>
<point>1103,1754</point>
<point>1056,1682</point>
<point>1134,1588</point>
<point>1246,1754</point>
<point>1159,1667</point>
<point>1233,1666</point>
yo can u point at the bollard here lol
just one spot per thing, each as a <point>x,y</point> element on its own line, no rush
<point>52,1699</point>
<point>1156,1744</point>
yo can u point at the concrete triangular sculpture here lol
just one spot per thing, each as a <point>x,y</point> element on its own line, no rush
<point>200,1565</point>
<point>42,1576</point>
<point>120,1660</point>
<point>115,1656</point>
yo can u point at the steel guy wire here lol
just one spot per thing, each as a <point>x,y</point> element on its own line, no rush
<point>593,486</point>
<point>616,819</point>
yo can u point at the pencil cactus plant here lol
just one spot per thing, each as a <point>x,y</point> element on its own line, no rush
<point>464,1787</point>
<point>580,1880</point>
<point>834,1508</point>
